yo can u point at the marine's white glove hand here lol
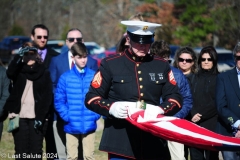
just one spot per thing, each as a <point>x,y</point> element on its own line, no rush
<point>152,111</point>
<point>118,110</point>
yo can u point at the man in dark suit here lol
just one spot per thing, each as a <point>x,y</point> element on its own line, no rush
<point>58,66</point>
<point>228,103</point>
<point>39,36</point>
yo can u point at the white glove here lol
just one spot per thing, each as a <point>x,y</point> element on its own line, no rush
<point>118,110</point>
<point>152,111</point>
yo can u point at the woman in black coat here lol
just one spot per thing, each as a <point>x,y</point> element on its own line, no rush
<point>204,110</point>
<point>30,99</point>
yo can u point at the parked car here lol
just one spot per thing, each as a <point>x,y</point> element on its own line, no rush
<point>110,51</point>
<point>95,51</point>
<point>94,48</point>
<point>9,46</point>
<point>56,44</point>
<point>173,49</point>
<point>225,58</point>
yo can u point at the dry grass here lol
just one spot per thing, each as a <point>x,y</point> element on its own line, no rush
<point>7,144</point>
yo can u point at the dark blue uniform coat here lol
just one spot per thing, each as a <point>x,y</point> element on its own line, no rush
<point>126,77</point>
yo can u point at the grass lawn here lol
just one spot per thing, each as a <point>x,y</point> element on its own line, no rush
<point>7,144</point>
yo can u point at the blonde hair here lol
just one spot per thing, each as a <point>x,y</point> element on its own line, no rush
<point>136,17</point>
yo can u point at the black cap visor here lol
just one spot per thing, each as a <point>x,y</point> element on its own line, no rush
<point>142,39</point>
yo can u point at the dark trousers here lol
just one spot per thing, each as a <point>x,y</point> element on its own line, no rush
<point>1,129</point>
<point>200,154</point>
<point>186,152</point>
<point>49,139</point>
<point>228,155</point>
<point>28,141</point>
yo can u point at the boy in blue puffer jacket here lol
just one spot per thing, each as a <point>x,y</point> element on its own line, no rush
<point>80,122</point>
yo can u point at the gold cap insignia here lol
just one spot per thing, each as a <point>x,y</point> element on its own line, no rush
<point>145,28</point>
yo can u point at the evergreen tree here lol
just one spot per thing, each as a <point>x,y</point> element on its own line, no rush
<point>197,25</point>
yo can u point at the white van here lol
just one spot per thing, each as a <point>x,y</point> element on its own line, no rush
<point>225,58</point>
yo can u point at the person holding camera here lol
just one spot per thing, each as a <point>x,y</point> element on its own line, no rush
<point>30,100</point>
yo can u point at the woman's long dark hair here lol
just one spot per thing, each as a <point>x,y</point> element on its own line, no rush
<point>121,45</point>
<point>213,54</point>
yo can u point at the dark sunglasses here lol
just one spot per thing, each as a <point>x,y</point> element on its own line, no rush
<point>40,37</point>
<point>237,58</point>
<point>208,59</point>
<point>72,39</point>
<point>187,60</point>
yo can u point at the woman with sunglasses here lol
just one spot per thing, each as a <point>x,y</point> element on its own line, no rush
<point>186,60</point>
<point>204,110</point>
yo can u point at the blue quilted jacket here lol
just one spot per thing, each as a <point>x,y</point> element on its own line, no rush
<point>185,91</point>
<point>69,101</point>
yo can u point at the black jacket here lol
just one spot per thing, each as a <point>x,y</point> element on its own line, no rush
<point>204,89</point>
<point>4,89</point>
<point>129,78</point>
<point>50,54</point>
<point>19,72</point>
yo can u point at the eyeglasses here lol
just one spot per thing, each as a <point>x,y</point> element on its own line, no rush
<point>186,60</point>
<point>208,59</point>
<point>237,58</point>
<point>40,37</point>
<point>72,39</point>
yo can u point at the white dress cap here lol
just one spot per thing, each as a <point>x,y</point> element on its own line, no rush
<point>140,27</point>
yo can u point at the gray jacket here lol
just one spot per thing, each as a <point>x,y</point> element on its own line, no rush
<point>4,86</point>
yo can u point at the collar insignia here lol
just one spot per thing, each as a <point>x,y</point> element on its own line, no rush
<point>145,28</point>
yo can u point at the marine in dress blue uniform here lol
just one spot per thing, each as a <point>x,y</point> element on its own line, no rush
<point>132,78</point>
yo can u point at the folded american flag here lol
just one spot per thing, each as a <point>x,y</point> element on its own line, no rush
<point>182,131</point>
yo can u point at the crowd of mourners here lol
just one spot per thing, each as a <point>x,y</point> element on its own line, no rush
<point>60,97</point>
